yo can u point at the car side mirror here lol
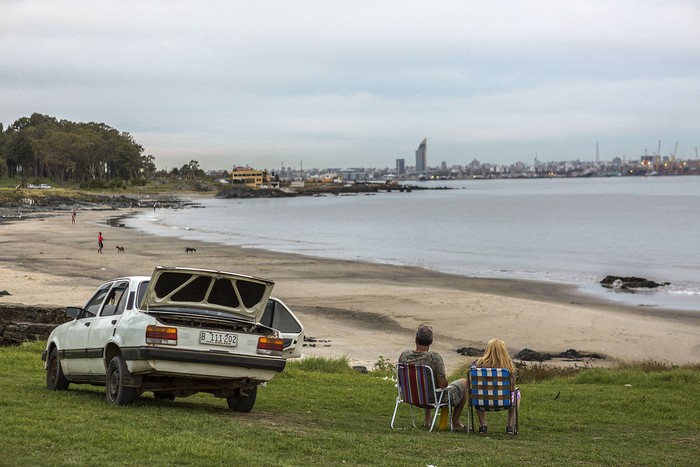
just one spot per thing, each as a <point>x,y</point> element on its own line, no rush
<point>73,312</point>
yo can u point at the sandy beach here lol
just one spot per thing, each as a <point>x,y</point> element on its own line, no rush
<point>365,311</point>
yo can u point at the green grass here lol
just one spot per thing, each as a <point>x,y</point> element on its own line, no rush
<point>319,412</point>
<point>9,195</point>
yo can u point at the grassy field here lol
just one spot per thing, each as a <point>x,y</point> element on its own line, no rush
<point>320,412</point>
<point>9,193</point>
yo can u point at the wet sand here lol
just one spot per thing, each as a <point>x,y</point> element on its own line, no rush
<point>365,311</point>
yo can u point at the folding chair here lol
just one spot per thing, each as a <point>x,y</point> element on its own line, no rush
<point>490,389</point>
<point>416,385</point>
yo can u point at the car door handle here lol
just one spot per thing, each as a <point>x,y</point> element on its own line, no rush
<point>114,321</point>
<point>87,324</point>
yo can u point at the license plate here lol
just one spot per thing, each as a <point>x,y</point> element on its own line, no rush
<point>218,338</point>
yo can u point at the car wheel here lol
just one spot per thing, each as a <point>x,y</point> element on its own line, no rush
<point>164,396</point>
<point>117,393</point>
<point>243,401</point>
<point>55,379</point>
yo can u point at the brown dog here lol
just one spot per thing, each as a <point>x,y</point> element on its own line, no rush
<point>190,250</point>
<point>120,249</point>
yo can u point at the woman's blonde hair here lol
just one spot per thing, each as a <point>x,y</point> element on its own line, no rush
<point>496,356</point>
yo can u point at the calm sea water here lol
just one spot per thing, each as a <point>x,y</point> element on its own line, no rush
<point>573,231</point>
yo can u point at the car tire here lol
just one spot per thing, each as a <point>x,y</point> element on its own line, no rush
<point>164,396</point>
<point>55,379</point>
<point>240,402</point>
<point>116,392</point>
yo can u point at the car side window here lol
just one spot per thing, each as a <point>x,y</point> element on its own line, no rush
<point>142,292</point>
<point>277,316</point>
<point>95,302</point>
<point>116,300</point>
<point>122,303</point>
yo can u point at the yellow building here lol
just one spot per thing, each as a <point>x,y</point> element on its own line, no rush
<point>250,177</point>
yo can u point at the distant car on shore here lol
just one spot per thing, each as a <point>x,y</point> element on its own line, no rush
<point>175,333</point>
<point>42,186</point>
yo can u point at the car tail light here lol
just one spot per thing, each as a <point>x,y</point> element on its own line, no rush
<point>161,335</point>
<point>270,346</point>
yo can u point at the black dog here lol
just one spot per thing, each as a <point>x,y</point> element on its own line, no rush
<point>190,250</point>
<point>120,249</point>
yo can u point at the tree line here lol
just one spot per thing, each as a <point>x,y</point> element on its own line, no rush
<point>65,151</point>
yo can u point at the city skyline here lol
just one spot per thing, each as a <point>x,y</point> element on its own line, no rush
<point>354,85</point>
<point>422,162</point>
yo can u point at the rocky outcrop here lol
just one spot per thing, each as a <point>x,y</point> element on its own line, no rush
<point>247,192</point>
<point>48,205</point>
<point>470,351</point>
<point>21,323</point>
<point>530,355</point>
<point>625,283</point>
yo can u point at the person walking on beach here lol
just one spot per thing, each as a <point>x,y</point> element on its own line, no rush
<point>424,356</point>
<point>100,243</point>
<point>72,217</point>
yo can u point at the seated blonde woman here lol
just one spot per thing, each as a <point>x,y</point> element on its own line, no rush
<point>496,356</point>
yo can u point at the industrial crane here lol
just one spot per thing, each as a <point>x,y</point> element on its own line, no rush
<point>658,157</point>
<point>673,154</point>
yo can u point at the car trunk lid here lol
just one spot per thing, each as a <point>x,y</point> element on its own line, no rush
<point>229,294</point>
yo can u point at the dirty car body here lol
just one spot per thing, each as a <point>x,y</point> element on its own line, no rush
<point>175,333</point>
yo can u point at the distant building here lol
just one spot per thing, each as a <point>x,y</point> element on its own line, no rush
<point>355,174</point>
<point>422,156</point>
<point>647,161</point>
<point>250,177</point>
<point>400,167</point>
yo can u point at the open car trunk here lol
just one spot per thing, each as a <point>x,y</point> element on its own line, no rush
<point>232,301</point>
<point>225,294</point>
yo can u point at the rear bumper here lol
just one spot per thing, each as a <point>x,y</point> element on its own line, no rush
<point>206,358</point>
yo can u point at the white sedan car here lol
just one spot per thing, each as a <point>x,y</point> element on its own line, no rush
<point>176,333</point>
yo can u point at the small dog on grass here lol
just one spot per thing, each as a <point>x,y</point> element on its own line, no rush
<point>120,249</point>
<point>190,250</point>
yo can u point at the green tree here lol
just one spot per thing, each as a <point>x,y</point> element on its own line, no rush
<point>148,166</point>
<point>42,146</point>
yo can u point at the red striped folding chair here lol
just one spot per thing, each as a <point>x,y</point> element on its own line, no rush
<point>416,385</point>
<point>491,389</point>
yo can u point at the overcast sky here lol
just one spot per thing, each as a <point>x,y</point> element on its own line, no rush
<point>339,83</point>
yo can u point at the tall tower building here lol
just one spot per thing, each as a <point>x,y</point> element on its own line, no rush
<point>400,167</point>
<point>422,156</point>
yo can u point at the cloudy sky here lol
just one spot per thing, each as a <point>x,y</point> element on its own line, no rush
<point>338,83</point>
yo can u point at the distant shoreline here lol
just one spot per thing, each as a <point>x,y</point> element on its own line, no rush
<point>546,291</point>
<point>365,310</point>
<point>494,266</point>
<point>556,292</point>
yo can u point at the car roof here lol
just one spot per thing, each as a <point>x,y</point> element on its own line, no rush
<point>128,278</point>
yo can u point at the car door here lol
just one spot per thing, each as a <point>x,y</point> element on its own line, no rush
<point>75,350</point>
<point>103,326</point>
<point>279,316</point>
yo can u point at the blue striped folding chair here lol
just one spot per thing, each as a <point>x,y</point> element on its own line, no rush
<point>416,385</point>
<point>491,389</point>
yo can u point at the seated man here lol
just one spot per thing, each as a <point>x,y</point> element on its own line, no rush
<point>424,356</point>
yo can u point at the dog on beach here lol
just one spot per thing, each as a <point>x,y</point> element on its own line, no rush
<point>120,249</point>
<point>190,250</point>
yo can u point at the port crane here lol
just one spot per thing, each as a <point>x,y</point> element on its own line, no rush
<point>658,157</point>
<point>673,155</point>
